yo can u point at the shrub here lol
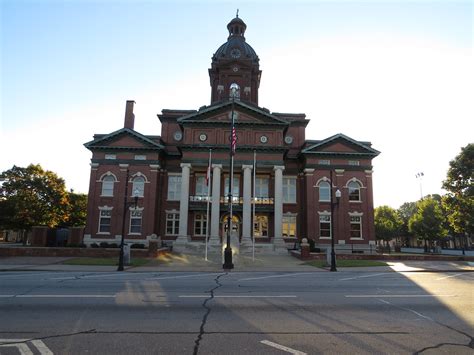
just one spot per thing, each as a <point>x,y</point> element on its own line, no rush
<point>76,245</point>
<point>94,245</point>
<point>104,244</point>
<point>138,246</point>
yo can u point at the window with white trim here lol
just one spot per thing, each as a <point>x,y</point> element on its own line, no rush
<point>172,223</point>
<point>324,191</point>
<point>140,157</point>
<point>136,221</point>
<point>138,186</point>
<point>289,189</point>
<point>108,183</point>
<point>174,187</point>
<point>105,219</point>
<point>235,187</point>
<point>200,224</point>
<point>201,185</point>
<point>289,226</point>
<point>261,187</point>
<point>325,226</point>
<point>354,162</point>
<point>324,162</point>
<point>110,156</point>
<point>354,191</point>
<point>356,227</point>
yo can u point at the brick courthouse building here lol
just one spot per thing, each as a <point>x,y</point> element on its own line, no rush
<point>290,189</point>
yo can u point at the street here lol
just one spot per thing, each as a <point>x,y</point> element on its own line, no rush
<point>236,312</point>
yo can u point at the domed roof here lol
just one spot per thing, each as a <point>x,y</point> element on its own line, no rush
<point>236,47</point>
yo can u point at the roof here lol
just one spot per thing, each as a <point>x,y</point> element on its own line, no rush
<point>102,141</point>
<point>316,147</point>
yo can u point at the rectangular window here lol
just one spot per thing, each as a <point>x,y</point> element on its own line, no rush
<point>201,187</point>
<point>174,187</point>
<point>324,162</point>
<point>261,187</point>
<point>353,162</point>
<point>260,226</point>
<point>289,226</point>
<point>356,227</point>
<point>200,224</point>
<point>235,187</point>
<point>110,156</point>
<point>172,223</point>
<point>325,226</point>
<point>105,217</point>
<point>289,189</point>
<point>135,221</point>
<point>140,157</point>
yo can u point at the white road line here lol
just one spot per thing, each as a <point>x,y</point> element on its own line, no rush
<point>23,347</point>
<point>407,309</point>
<point>181,276</point>
<point>42,348</point>
<point>96,276</point>
<point>395,296</point>
<point>238,296</point>
<point>361,277</point>
<point>268,277</point>
<point>447,277</point>
<point>58,296</point>
<point>281,347</point>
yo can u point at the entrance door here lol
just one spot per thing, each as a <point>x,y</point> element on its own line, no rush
<point>235,225</point>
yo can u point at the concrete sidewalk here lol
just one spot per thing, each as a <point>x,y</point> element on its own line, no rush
<point>195,263</point>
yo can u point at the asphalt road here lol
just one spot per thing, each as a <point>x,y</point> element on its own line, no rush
<point>236,313</point>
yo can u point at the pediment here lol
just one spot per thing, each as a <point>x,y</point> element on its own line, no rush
<point>340,144</point>
<point>124,138</point>
<point>244,114</point>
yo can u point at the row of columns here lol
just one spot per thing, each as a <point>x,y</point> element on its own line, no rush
<point>215,203</point>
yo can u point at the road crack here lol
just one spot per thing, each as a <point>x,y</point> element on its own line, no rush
<point>197,342</point>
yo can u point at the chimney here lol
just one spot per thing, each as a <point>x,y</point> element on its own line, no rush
<point>129,115</point>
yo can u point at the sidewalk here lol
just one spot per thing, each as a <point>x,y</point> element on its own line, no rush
<point>196,263</point>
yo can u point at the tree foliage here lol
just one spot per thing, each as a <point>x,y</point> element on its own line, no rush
<point>32,196</point>
<point>388,223</point>
<point>459,184</point>
<point>428,221</point>
<point>406,211</point>
<point>77,211</point>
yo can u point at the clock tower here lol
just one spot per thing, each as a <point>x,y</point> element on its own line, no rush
<point>235,63</point>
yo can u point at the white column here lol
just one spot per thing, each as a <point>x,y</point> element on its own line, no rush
<point>184,203</point>
<point>216,197</point>
<point>278,241</point>
<point>247,207</point>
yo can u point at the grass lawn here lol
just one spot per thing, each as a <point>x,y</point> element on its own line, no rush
<point>104,261</point>
<point>347,263</point>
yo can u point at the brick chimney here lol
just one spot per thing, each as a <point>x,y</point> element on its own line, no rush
<point>129,115</point>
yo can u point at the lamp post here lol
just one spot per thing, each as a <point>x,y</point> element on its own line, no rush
<point>126,203</point>
<point>228,265</point>
<point>338,196</point>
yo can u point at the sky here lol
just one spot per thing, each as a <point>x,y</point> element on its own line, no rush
<point>396,73</point>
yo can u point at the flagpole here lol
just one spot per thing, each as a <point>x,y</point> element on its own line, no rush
<point>208,180</point>
<point>254,202</point>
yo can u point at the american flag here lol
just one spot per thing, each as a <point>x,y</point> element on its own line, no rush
<point>233,138</point>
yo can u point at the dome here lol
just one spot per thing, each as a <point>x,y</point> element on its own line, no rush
<point>236,47</point>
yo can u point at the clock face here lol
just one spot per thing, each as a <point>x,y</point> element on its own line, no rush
<point>288,139</point>
<point>235,69</point>
<point>177,136</point>
<point>202,137</point>
<point>235,53</point>
<point>263,139</point>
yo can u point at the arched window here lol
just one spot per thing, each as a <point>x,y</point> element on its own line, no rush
<point>234,91</point>
<point>324,191</point>
<point>138,186</point>
<point>108,185</point>
<point>354,191</point>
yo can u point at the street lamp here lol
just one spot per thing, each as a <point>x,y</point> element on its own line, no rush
<point>126,204</point>
<point>228,249</point>
<point>338,196</point>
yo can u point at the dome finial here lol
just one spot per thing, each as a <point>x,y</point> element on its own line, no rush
<point>237,14</point>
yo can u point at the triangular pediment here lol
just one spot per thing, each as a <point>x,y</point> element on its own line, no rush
<point>244,114</point>
<point>340,144</point>
<point>123,139</point>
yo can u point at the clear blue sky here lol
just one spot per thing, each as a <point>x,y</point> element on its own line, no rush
<point>397,73</point>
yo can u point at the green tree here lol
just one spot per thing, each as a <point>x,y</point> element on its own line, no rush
<point>77,211</point>
<point>459,184</point>
<point>388,223</point>
<point>428,221</point>
<point>32,196</point>
<point>406,211</point>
